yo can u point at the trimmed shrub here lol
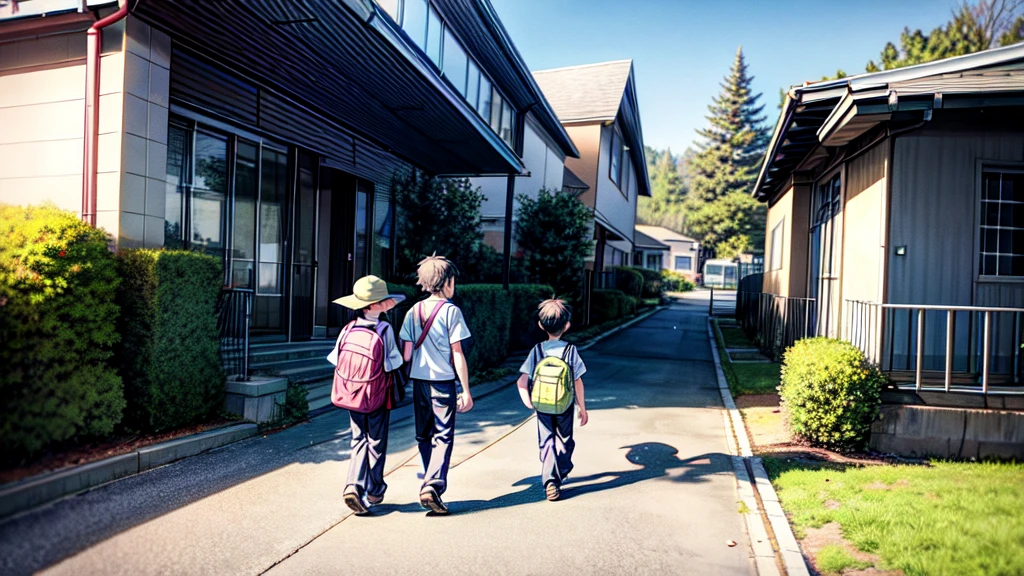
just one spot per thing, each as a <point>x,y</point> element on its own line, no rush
<point>524,331</point>
<point>58,317</point>
<point>830,393</point>
<point>653,284</point>
<point>676,282</point>
<point>629,280</point>
<point>170,351</point>
<point>488,312</point>
<point>611,305</point>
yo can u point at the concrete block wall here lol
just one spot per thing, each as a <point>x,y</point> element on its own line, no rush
<point>143,167</point>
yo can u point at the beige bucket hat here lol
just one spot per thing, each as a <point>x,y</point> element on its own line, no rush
<point>368,290</point>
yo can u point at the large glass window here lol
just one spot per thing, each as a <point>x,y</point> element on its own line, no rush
<point>1002,223</point>
<point>433,48</point>
<point>483,105</point>
<point>273,196</point>
<point>472,84</point>
<point>178,172</point>
<point>414,22</point>
<point>615,157</point>
<point>495,111</point>
<point>243,237</point>
<point>208,217</point>
<point>506,123</point>
<point>455,63</point>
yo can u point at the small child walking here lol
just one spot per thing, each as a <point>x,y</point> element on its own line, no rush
<point>552,383</point>
<point>366,357</point>
<point>433,331</point>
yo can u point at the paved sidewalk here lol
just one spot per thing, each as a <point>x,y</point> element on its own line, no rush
<point>653,490</point>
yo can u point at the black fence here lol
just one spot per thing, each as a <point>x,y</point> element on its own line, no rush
<point>773,322</point>
<point>234,313</point>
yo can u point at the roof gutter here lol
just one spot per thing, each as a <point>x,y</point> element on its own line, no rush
<point>92,112</point>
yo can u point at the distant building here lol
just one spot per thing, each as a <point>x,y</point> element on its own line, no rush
<point>683,254</point>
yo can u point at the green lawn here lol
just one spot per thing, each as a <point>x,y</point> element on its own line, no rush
<point>735,338</point>
<point>947,518</point>
<point>755,378</point>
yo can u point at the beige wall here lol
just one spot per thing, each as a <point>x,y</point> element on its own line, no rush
<point>792,209</point>
<point>864,255</point>
<point>42,101</point>
<point>588,141</point>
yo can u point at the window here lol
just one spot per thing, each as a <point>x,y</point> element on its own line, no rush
<point>506,123</point>
<point>433,48</point>
<point>472,84</point>
<point>685,263</point>
<point>624,183</point>
<point>179,139</point>
<point>243,238</point>
<point>208,214</point>
<point>1002,222</point>
<point>776,247</point>
<point>654,261</point>
<point>615,158</point>
<point>455,63</point>
<point>483,106</point>
<point>391,7</point>
<point>495,110</point>
<point>273,198</point>
<point>414,22</point>
<point>712,269</point>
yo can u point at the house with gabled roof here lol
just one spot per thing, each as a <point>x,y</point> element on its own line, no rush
<point>597,106</point>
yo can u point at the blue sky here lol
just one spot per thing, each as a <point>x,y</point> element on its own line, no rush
<point>682,49</point>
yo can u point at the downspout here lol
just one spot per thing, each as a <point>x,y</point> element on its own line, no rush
<point>92,112</point>
<point>510,194</point>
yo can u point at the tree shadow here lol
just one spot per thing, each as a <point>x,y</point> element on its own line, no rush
<point>656,460</point>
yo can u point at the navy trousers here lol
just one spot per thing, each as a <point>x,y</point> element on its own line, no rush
<point>434,405</point>
<point>554,435</point>
<point>369,449</point>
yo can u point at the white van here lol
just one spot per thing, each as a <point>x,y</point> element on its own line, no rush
<point>720,274</point>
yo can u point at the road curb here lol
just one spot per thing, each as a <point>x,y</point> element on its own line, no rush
<point>757,492</point>
<point>44,488</point>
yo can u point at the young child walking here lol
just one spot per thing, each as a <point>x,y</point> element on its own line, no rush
<point>366,357</point>
<point>433,331</point>
<point>551,383</point>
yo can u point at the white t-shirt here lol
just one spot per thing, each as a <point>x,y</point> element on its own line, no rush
<point>433,359</point>
<point>555,348</point>
<point>393,355</point>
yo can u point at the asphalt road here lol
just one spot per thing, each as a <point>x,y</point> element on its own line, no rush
<point>653,491</point>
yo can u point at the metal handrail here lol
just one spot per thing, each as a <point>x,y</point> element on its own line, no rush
<point>234,315</point>
<point>875,338</point>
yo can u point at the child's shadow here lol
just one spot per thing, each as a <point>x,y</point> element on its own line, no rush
<point>654,458</point>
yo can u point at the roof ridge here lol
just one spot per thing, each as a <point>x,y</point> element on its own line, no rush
<point>577,66</point>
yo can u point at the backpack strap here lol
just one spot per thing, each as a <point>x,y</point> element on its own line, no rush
<point>430,321</point>
<point>565,358</point>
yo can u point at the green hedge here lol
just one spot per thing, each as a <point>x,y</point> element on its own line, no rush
<point>488,312</point>
<point>58,281</point>
<point>830,393</point>
<point>524,330</point>
<point>629,281</point>
<point>611,305</point>
<point>676,282</point>
<point>653,283</point>
<point>170,352</point>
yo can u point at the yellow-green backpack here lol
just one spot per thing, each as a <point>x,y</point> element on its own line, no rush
<point>553,381</point>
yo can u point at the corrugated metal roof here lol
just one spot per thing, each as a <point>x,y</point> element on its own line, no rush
<point>587,92</point>
<point>359,73</point>
<point>923,87</point>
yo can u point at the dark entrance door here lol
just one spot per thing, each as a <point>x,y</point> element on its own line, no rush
<point>304,257</point>
<point>341,265</point>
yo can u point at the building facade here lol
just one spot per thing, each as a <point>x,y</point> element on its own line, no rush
<point>597,105</point>
<point>266,134</point>
<point>683,252</point>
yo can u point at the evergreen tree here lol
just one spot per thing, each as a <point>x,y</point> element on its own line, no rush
<point>668,190</point>
<point>734,142</point>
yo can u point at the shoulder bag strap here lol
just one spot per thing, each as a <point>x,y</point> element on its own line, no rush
<point>428,324</point>
<point>565,358</point>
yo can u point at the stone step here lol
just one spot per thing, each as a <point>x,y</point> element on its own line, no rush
<point>318,394</point>
<point>261,355</point>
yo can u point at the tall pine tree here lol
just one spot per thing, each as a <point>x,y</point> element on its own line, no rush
<point>734,141</point>
<point>720,211</point>
<point>668,190</point>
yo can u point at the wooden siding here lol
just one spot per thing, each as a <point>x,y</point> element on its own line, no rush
<point>793,208</point>
<point>864,255</point>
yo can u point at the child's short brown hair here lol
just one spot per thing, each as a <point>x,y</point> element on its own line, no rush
<point>554,315</point>
<point>434,272</point>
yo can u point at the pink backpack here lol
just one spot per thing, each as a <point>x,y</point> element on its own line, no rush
<point>360,382</point>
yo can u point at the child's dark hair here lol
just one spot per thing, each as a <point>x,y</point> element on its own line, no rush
<point>434,272</point>
<point>554,315</point>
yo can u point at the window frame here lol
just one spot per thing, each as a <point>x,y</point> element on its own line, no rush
<point>675,262</point>
<point>612,164</point>
<point>982,168</point>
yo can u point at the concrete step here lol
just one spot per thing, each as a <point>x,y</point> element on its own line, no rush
<point>271,353</point>
<point>282,365</point>
<point>318,394</point>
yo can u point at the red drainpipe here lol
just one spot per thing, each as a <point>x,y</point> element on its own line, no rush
<point>92,113</point>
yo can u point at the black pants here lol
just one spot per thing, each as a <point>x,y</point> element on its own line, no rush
<point>434,404</point>
<point>554,436</point>
<point>369,450</point>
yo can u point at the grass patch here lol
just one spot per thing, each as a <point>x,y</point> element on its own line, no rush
<point>734,337</point>
<point>946,518</point>
<point>747,378</point>
<point>833,559</point>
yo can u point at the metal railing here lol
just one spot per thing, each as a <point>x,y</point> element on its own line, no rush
<point>234,313</point>
<point>774,322</point>
<point>941,348</point>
